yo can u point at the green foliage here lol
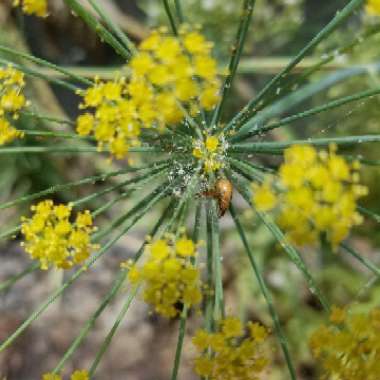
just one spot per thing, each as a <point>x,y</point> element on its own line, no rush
<point>292,288</point>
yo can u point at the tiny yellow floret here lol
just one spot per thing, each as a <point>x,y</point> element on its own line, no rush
<point>12,101</point>
<point>373,7</point>
<point>80,375</point>
<point>314,193</point>
<point>168,78</point>
<point>55,240</point>
<point>51,376</point>
<point>33,7</point>
<point>169,276</point>
<point>349,347</point>
<point>77,375</point>
<point>229,353</point>
<point>211,152</point>
<point>264,197</point>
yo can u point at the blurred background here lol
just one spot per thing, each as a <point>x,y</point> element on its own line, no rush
<point>144,346</point>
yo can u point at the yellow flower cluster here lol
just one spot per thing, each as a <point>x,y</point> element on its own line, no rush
<point>373,7</point>
<point>211,152</point>
<point>169,276</point>
<point>229,353</point>
<point>180,69</point>
<point>349,348</point>
<point>317,193</point>
<point>116,121</point>
<point>33,7</point>
<point>11,102</point>
<point>77,375</point>
<point>52,239</point>
<point>168,75</point>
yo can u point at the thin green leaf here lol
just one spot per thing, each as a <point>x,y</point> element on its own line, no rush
<point>50,118</point>
<point>13,279</point>
<point>179,11</point>
<point>71,149</point>
<point>132,217</point>
<point>268,298</point>
<point>237,50</point>
<point>213,245</point>
<point>169,13</point>
<point>320,64</point>
<point>10,232</point>
<point>243,188</point>
<point>162,223</point>
<point>111,334</point>
<point>113,26</point>
<point>339,18</point>
<point>34,73</point>
<point>298,96</point>
<point>43,62</point>
<point>60,135</point>
<point>91,321</point>
<point>98,28</point>
<point>370,213</point>
<point>118,283</point>
<point>255,130</point>
<point>271,147</point>
<point>68,185</point>
<point>367,263</point>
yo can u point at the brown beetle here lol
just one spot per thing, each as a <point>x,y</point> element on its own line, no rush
<point>222,192</point>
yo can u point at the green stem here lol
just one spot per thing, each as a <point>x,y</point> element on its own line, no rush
<point>310,69</point>
<point>91,321</point>
<point>69,185</point>
<point>161,223</point>
<point>306,92</point>
<point>132,217</point>
<point>214,237</point>
<point>339,18</point>
<point>71,150</point>
<point>34,73</point>
<point>370,213</point>
<point>48,118</point>
<point>242,186</point>
<point>237,50</point>
<point>43,62</point>
<point>185,197</point>
<point>367,263</point>
<point>162,189</point>
<point>248,130</point>
<point>113,26</point>
<point>170,16</point>
<point>210,305</point>
<point>118,283</point>
<point>98,28</point>
<point>178,8</point>
<point>371,31</point>
<point>265,292</point>
<point>133,183</point>
<point>185,311</point>
<point>12,231</point>
<point>62,135</point>
<point>244,166</point>
<point>111,334</point>
<point>13,279</point>
<point>112,202</point>
<point>270,147</point>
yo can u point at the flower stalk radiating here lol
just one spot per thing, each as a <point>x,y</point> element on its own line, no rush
<point>165,112</point>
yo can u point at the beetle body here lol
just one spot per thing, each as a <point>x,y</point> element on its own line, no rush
<point>222,192</point>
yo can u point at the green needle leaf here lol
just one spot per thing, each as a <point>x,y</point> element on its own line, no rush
<point>268,298</point>
<point>242,186</point>
<point>339,18</point>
